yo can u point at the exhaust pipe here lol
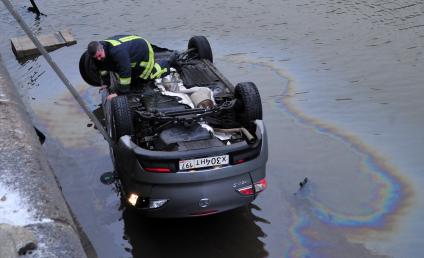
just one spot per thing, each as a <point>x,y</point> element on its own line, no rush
<point>250,138</point>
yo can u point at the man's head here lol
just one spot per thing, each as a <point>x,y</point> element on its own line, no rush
<point>96,51</point>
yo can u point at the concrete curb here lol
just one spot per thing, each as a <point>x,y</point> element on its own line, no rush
<point>25,170</point>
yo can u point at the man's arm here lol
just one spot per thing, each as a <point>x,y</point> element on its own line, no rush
<point>104,77</point>
<point>123,64</point>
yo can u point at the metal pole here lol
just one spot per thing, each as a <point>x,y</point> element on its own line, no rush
<point>57,70</point>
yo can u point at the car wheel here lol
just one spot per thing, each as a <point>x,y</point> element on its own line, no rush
<point>249,105</point>
<point>121,118</point>
<point>88,70</point>
<point>202,47</point>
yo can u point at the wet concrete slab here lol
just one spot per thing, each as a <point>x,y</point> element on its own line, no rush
<point>24,47</point>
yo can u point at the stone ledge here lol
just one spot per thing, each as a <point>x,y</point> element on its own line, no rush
<point>26,172</point>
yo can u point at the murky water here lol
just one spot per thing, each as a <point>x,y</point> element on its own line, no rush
<point>341,83</point>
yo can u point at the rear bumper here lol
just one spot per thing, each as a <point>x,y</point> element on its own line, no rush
<point>195,199</point>
<point>188,194</point>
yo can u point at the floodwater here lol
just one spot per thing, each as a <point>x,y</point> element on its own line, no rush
<point>342,89</point>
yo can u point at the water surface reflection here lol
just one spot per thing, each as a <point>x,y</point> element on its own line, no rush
<point>231,234</point>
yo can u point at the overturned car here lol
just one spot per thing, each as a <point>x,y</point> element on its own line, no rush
<point>188,144</point>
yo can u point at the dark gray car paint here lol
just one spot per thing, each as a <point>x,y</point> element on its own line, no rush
<point>184,190</point>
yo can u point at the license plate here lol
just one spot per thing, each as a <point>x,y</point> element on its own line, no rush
<point>204,162</point>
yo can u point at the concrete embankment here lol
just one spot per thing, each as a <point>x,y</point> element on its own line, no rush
<point>34,215</point>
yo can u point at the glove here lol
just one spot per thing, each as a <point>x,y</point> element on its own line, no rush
<point>173,57</point>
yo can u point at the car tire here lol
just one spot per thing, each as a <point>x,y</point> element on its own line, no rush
<point>121,123</point>
<point>88,70</point>
<point>202,47</point>
<point>249,105</point>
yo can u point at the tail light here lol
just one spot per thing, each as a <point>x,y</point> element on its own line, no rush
<point>157,203</point>
<point>158,166</point>
<point>260,186</point>
<point>158,170</point>
<point>133,199</point>
<point>145,203</point>
<point>253,189</point>
<point>243,156</point>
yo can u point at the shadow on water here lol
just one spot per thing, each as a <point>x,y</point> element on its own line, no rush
<point>220,235</point>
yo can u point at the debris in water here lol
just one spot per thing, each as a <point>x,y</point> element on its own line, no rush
<point>303,92</point>
<point>301,186</point>
<point>303,183</point>
<point>34,9</point>
<point>108,178</point>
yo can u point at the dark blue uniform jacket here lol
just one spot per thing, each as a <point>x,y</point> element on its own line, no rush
<point>124,58</point>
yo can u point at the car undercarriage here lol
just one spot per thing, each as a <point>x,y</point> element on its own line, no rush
<point>189,143</point>
<point>168,114</point>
